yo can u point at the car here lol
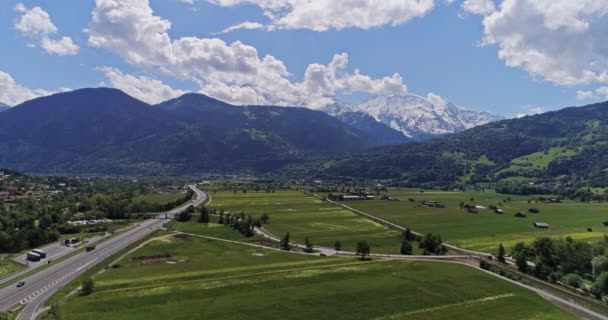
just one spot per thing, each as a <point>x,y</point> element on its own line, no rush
<point>20,284</point>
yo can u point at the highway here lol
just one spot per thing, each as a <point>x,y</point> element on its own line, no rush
<point>40,286</point>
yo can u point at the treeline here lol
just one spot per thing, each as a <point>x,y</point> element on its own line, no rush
<point>241,222</point>
<point>566,261</point>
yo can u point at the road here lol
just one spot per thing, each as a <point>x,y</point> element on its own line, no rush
<point>40,286</point>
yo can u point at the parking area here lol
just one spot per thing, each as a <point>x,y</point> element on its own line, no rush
<point>55,251</point>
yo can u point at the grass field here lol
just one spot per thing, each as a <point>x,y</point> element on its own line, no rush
<point>485,230</point>
<point>212,230</point>
<point>218,280</point>
<point>8,266</point>
<point>158,198</point>
<point>301,215</point>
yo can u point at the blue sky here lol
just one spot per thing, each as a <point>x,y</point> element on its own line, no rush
<point>438,51</point>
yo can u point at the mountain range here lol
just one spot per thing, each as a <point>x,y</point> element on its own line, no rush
<point>3,107</point>
<point>106,131</point>
<point>415,117</point>
<point>566,146</point>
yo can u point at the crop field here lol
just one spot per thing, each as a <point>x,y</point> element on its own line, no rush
<point>206,279</point>
<point>485,230</point>
<point>306,216</point>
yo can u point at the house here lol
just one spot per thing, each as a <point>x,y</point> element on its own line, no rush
<point>499,211</point>
<point>541,225</point>
<point>472,210</point>
<point>534,210</point>
<point>520,215</point>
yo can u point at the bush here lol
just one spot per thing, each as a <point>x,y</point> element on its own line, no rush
<point>87,286</point>
<point>573,280</point>
<point>484,264</point>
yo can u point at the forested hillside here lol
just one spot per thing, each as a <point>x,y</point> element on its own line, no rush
<point>568,145</point>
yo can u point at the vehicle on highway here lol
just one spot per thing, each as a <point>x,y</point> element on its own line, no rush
<point>20,284</point>
<point>90,248</point>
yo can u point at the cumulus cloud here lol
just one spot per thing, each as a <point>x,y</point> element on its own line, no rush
<point>560,41</point>
<point>144,88</point>
<point>530,111</point>
<point>480,7</point>
<point>584,95</point>
<point>231,72</point>
<point>336,14</point>
<point>36,23</point>
<point>602,92</point>
<point>436,100</point>
<point>13,93</point>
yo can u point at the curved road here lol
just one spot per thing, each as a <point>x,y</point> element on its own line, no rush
<point>40,286</point>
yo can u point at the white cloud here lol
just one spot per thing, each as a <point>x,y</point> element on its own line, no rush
<point>231,72</point>
<point>480,7</point>
<point>336,14</point>
<point>247,25</point>
<point>62,47</point>
<point>436,100</point>
<point>36,23</point>
<point>13,93</point>
<point>602,92</point>
<point>584,95</point>
<point>144,88</point>
<point>530,111</point>
<point>560,41</point>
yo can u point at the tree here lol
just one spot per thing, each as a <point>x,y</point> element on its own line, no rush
<point>363,249</point>
<point>87,286</point>
<point>284,244</point>
<point>520,253</point>
<point>338,245</point>
<point>184,216</point>
<point>408,235</point>
<point>599,265</point>
<point>309,245</point>
<point>204,216</point>
<point>501,253</point>
<point>432,245</point>
<point>600,286</point>
<point>406,247</point>
<point>265,218</point>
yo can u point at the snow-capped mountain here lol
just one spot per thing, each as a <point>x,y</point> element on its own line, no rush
<point>415,116</point>
<point>3,107</point>
<point>383,134</point>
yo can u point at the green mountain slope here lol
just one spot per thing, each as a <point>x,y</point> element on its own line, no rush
<point>570,144</point>
<point>106,131</point>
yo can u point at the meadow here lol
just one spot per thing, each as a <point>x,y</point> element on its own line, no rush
<point>8,266</point>
<point>483,231</point>
<point>158,198</point>
<point>305,216</point>
<point>218,280</point>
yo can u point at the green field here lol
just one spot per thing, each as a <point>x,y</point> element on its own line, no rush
<point>158,198</point>
<point>485,230</point>
<point>8,266</point>
<point>218,280</point>
<point>302,215</point>
<point>212,230</point>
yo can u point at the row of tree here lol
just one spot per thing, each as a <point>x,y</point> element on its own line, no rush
<point>564,260</point>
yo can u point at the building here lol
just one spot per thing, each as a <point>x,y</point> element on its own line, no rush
<point>541,225</point>
<point>534,210</point>
<point>499,211</point>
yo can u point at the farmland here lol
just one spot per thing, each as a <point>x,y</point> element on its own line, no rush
<point>306,216</point>
<point>218,280</point>
<point>485,230</point>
